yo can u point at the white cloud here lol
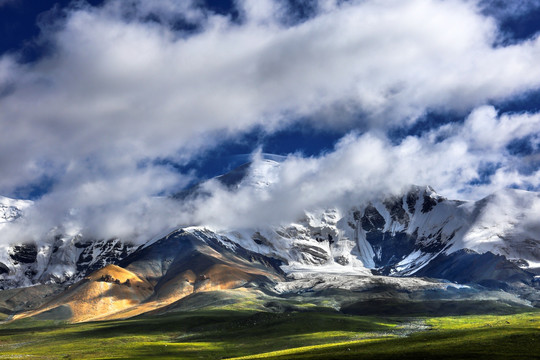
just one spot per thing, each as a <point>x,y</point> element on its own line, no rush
<point>138,86</point>
<point>102,203</point>
<point>259,12</point>
<point>118,90</point>
<point>364,167</point>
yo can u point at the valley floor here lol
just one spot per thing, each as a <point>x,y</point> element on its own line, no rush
<point>261,335</point>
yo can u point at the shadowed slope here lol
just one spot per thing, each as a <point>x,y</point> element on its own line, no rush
<point>191,261</point>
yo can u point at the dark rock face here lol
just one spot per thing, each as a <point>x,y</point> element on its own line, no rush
<point>109,251</point>
<point>390,248</point>
<point>15,300</point>
<point>311,254</point>
<point>400,239</point>
<point>466,266</point>
<point>154,261</point>
<point>261,240</point>
<point>434,242</point>
<point>3,269</point>
<point>396,210</point>
<point>372,219</point>
<point>26,254</point>
<point>411,199</point>
<point>110,279</point>
<point>428,204</point>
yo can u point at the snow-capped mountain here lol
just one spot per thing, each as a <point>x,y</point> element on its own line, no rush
<point>398,243</point>
<point>493,241</point>
<point>185,262</point>
<point>56,259</point>
<point>415,234</point>
<point>397,235</point>
<point>67,259</point>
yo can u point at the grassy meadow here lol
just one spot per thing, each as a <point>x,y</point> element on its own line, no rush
<point>218,334</point>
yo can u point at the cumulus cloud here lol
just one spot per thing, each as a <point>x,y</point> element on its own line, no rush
<point>101,203</point>
<point>367,166</point>
<point>141,88</point>
<point>361,168</point>
<point>123,85</point>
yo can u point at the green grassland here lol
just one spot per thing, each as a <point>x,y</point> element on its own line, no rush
<point>318,334</point>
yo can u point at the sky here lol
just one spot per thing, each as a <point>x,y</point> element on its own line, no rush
<point>108,107</point>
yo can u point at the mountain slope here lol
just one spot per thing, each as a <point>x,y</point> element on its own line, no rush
<point>416,233</point>
<point>397,233</point>
<point>103,293</point>
<point>57,260</point>
<point>493,243</point>
<point>184,262</point>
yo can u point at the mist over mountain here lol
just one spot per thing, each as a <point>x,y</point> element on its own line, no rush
<point>399,239</point>
<point>103,119</point>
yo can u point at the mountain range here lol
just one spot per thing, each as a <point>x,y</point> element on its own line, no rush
<point>415,246</point>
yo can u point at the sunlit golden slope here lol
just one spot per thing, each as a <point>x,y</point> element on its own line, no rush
<point>115,293</point>
<point>103,293</point>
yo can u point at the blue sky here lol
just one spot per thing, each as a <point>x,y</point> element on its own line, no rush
<point>106,104</point>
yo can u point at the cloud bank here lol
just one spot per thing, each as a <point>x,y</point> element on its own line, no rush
<point>123,84</point>
<point>451,158</point>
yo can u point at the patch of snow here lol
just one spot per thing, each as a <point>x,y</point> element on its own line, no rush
<point>533,264</point>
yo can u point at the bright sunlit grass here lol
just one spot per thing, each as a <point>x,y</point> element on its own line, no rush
<point>255,335</point>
